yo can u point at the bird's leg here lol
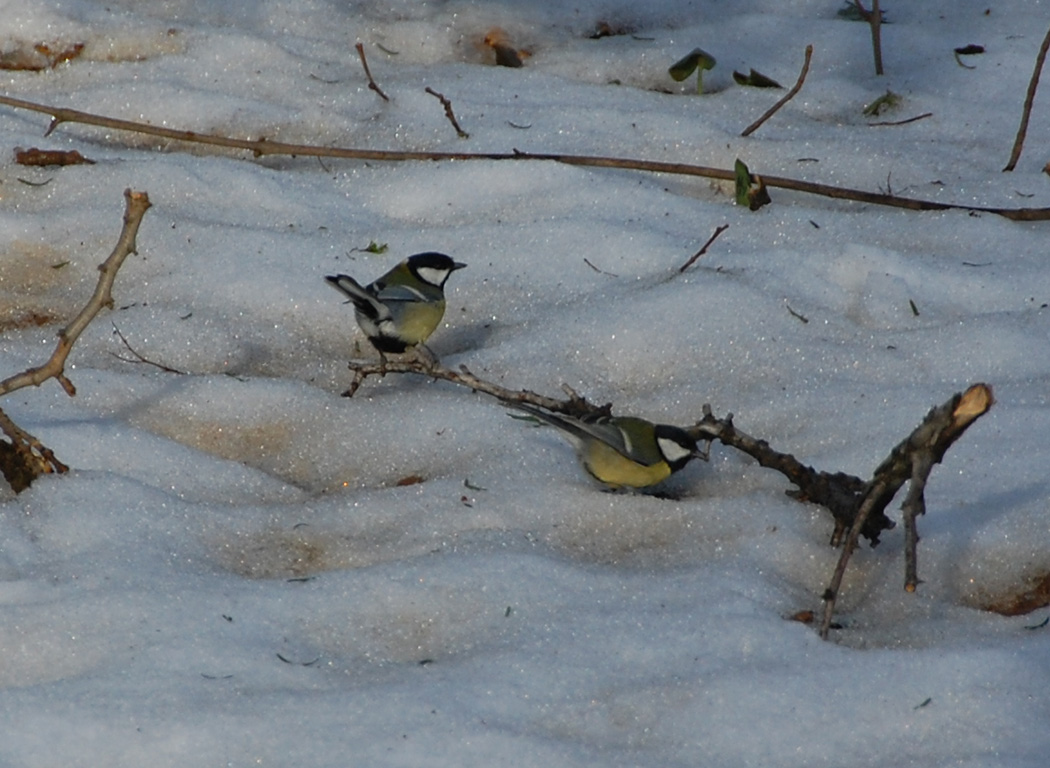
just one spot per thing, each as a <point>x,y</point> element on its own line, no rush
<point>426,356</point>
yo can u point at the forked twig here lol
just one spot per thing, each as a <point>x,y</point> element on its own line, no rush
<point>136,205</point>
<point>787,96</point>
<point>910,461</point>
<point>1029,99</point>
<point>368,73</point>
<point>139,358</point>
<point>858,507</point>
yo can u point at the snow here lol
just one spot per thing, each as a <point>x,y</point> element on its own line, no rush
<point>231,573</point>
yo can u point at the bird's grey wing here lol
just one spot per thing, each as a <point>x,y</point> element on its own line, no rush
<point>598,428</point>
<point>397,292</point>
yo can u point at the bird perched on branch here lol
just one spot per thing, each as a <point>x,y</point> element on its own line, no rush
<point>403,307</point>
<point>624,451</point>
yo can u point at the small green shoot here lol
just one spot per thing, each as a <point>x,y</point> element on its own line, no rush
<point>755,79</point>
<point>696,61</point>
<point>888,100</point>
<point>530,419</point>
<point>750,189</point>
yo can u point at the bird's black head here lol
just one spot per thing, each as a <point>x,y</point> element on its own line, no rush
<point>433,267</point>
<point>676,446</point>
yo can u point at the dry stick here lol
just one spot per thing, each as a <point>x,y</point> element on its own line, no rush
<point>364,63</point>
<point>787,97</point>
<point>136,205</point>
<point>876,35</point>
<point>263,147</point>
<point>448,112</point>
<point>911,460</point>
<point>1015,154</point>
<point>923,116</point>
<point>874,19</point>
<point>721,228</point>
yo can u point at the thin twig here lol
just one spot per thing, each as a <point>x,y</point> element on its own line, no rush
<point>574,406</point>
<point>923,116</point>
<point>797,315</point>
<point>136,205</point>
<point>263,147</point>
<point>1029,98</point>
<point>371,82</point>
<point>719,230</point>
<point>448,112</point>
<point>139,358</point>
<point>596,269</point>
<point>787,96</point>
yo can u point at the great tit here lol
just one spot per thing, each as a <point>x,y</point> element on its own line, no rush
<point>403,307</point>
<point>624,451</point>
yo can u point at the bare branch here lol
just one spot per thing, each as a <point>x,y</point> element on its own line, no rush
<point>911,460</point>
<point>574,406</point>
<point>368,73</point>
<point>703,249</point>
<point>25,458</point>
<point>839,493</point>
<point>787,96</point>
<point>1029,98</point>
<point>448,112</point>
<point>263,147</point>
<point>857,506</point>
<point>136,205</point>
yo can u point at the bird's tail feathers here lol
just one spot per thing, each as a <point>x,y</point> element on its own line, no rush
<point>349,286</point>
<point>568,425</point>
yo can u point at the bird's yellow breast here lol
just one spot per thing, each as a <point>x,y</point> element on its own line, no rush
<point>418,320</point>
<point>612,468</point>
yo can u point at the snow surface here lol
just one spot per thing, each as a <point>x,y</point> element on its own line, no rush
<point>231,575</point>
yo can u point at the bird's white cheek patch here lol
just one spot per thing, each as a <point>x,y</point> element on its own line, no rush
<point>671,450</point>
<point>432,276</point>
